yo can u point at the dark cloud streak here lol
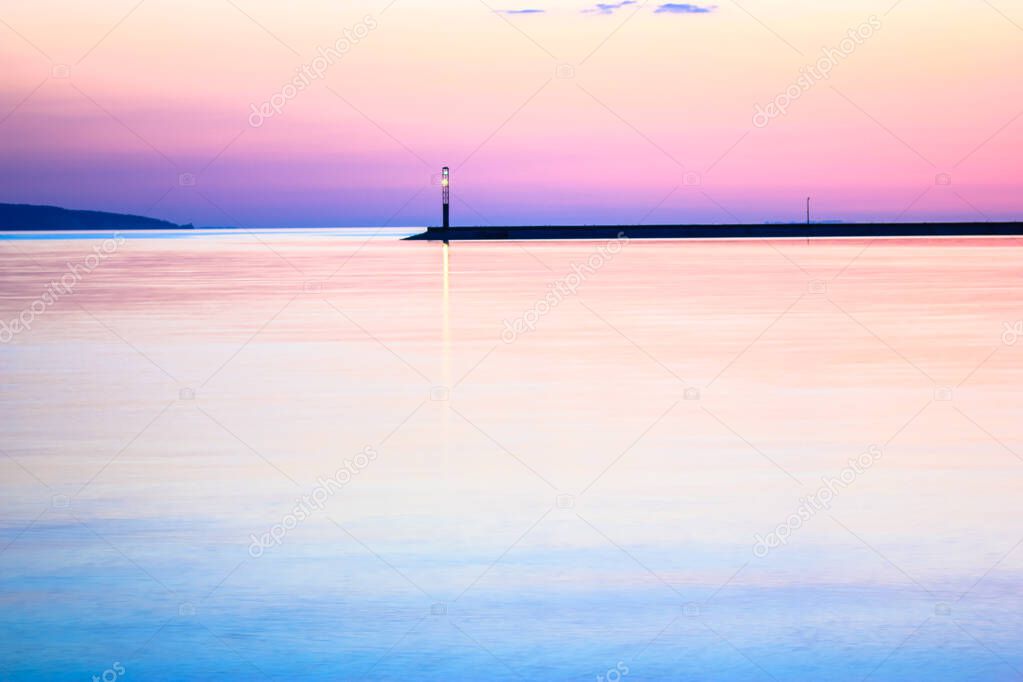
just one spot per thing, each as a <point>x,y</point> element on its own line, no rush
<point>682,8</point>
<point>608,7</point>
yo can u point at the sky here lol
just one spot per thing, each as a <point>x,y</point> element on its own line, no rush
<point>257,113</point>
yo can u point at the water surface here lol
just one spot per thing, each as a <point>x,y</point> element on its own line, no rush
<point>587,495</point>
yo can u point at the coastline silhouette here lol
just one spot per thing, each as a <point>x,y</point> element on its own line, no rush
<point>29,217</point>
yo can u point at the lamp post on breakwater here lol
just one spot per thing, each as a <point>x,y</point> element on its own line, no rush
<point>445,185</point>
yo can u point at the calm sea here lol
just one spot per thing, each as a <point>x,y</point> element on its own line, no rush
<point>334,455</point>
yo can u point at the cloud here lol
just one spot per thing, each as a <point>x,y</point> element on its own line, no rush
<point>527,10</point>
<point>682,8</point>
<point>608,7</point>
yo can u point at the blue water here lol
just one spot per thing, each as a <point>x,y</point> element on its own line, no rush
<point>78,605</point>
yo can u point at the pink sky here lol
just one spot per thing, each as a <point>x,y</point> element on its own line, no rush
<point>631,113</point>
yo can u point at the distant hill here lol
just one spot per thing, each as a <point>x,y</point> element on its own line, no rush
<point>24,217</point>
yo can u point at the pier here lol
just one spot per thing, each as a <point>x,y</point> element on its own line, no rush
<point>769,231</point>
<point>822,230</point>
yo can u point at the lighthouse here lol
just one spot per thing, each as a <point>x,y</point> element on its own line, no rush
<point>445,184</point>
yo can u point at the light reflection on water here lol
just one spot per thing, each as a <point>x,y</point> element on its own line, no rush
<point>585,496</point>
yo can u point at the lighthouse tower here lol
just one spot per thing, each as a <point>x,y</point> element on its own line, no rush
<point>445,184</point>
